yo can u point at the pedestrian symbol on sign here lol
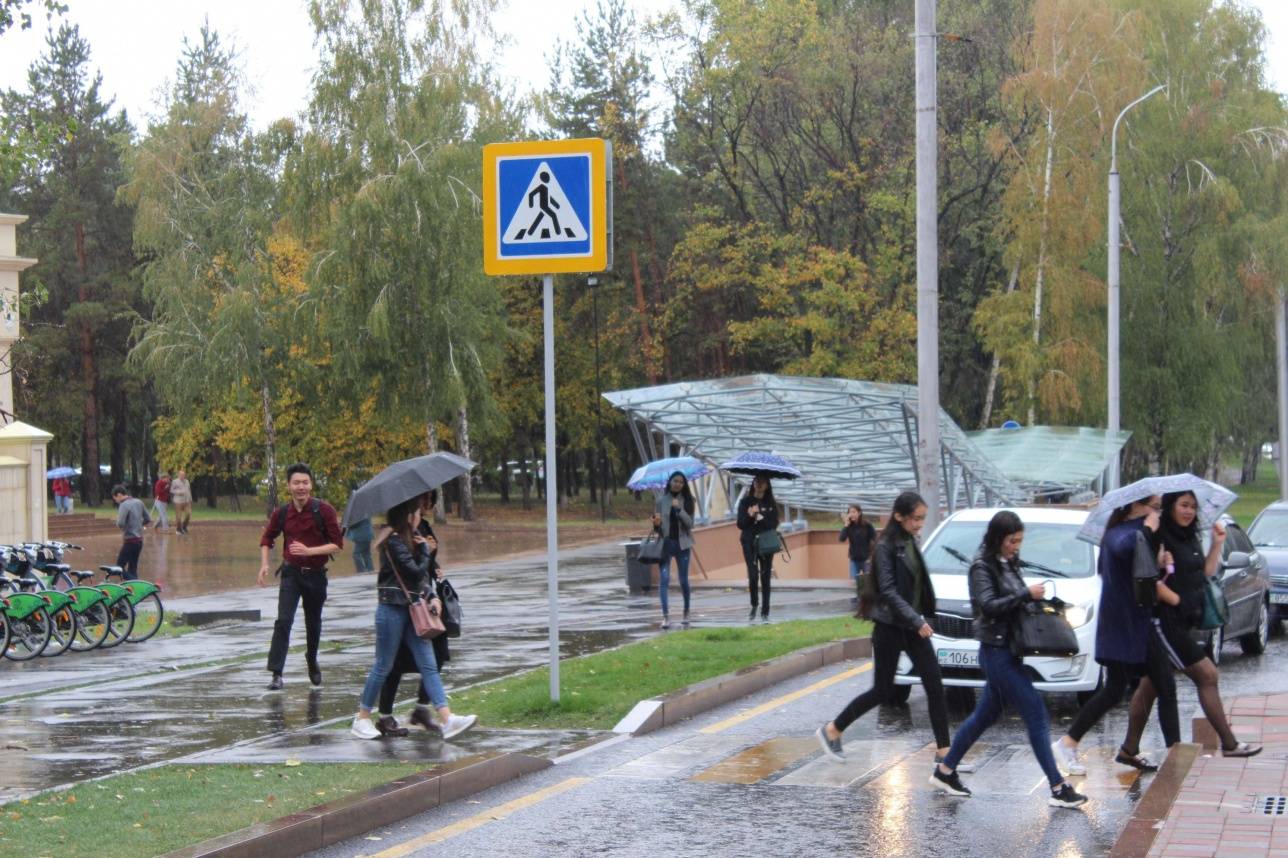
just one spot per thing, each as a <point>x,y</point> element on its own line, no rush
<point>545,213</point>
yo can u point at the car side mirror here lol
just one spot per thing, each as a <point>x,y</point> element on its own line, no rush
<point>1238,560</point>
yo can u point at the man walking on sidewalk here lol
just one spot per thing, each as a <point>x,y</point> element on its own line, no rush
<point>161,497</point>
<point>131,518</point>
<point>311,534</point>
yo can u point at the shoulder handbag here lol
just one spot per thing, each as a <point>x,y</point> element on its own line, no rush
<point>1144,573</point>
<point>768,542</point>
<point>1041,629</point>
<point>650,549</point>
<point>451,608</point>
<point>424,619</point>
<point>1216,610</point>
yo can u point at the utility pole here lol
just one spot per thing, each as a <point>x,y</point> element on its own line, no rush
<point>1115,198</point>
<point>1281,359</point>
<point>593,284</point>
<point>927,263</point>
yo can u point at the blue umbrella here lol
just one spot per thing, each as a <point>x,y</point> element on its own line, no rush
<point>60,471</point>
<point>1213,500</point>
<point>756,464</point>
<point>655,475</point>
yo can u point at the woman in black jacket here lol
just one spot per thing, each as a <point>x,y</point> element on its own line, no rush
<point>404,574</point>
<point>1180,610</point>
<point>860,534</point>
<point>903,602</point>
<point>757,513</point>
<point>405,662</point>
<point>997,594</point>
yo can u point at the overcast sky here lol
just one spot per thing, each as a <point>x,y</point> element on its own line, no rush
<point>135,43</point>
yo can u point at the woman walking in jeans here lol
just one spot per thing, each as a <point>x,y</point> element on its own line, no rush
<point>673,518</point>
<point>1127,645</point>
<point>997,594</point>
<point>404,568</point>
<point>903,600</point>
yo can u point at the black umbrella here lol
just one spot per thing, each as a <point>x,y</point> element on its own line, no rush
<point>403,481</point>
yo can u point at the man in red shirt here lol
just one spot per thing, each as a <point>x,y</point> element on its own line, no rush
<point>311,534</point>
<point>161,497</point>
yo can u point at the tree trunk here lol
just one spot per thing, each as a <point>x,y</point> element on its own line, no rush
<point>463,448</point>
<point>431,447</point>
<point>526,475</point>
<point>1037,287</point>
<point>1251,461</point>
<point>505,475</point>
<point>270,445</point>
<point>120,439</point>
<point>993,372</point>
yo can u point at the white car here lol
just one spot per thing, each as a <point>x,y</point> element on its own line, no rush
<point>1053,554</point>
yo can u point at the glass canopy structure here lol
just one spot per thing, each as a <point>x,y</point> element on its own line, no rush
<point>1052,461</point>
<point>853,440</point>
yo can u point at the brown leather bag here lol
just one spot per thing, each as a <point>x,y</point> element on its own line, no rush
<point>424,619</point>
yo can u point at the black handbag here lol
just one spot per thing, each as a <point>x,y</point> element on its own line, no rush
<point>1041,629</point>
<point>650,549</point>
<point>452,614</point>
<point>1144,573</point>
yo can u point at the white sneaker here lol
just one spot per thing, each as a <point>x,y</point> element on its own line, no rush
<point>363,728</point>
<point>1067,758</point>
<point>458,724</point>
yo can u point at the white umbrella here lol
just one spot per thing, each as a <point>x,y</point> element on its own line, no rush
<point>1212,498</point>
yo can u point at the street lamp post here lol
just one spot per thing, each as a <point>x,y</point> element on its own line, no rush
<point>1114,200</point>
<point>593,284</point>
<point>927,152</point>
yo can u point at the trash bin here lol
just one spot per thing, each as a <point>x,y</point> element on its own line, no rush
<point>639,576</point>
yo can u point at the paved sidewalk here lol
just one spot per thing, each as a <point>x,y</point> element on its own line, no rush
<point>1234,807</point>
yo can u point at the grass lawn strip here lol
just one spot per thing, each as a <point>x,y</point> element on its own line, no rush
<point>155,811</point>
<point>597,690</point>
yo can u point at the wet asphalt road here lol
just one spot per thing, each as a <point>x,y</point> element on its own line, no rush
<point>84,715</point>
<point>760,786</point>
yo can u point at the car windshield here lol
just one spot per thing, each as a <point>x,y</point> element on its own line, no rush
<point>1270,530</point>
<point>1055,546</point>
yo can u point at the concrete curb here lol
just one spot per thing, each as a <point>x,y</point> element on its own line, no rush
<point>1138,835</point>
<point>326,824</point>
<point>654,714</point>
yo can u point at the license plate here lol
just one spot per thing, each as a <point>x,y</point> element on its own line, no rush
<point>959,657</point>
<point>1279,598</point>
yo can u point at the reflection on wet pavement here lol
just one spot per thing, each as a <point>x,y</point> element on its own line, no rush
<point>91,714</point>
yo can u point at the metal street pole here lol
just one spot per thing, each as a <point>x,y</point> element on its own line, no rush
<point>593,283</point>
<point>927,263</point>
<point>552,487</point>
<point>1281,358</point>
<point>1115,196</point>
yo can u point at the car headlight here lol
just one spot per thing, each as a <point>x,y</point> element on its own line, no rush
<point>1079,615</point>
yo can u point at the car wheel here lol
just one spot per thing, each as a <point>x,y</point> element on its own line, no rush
<point>1215,642</point>
<point>900,694</point>
<point>1254,643</point>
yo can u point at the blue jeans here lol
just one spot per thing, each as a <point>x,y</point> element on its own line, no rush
<point>671,548</point>
<point>1006,682</point>
<point>362,556</point>
<point>393,628</point>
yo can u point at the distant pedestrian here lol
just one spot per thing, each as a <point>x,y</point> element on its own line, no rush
<point>161,499</point>
<point>360,535</point>
<point>903,600</point>
<point>404,569</point>
<point>62,495</point>
<point>310,534</point>
<point>758,513</point>
<point>861,536</point>
<point>1127,646</point>
<point>181,496</point>
<point>131,519</point>
<point>997,594</point>
<point>405,661</point>
<point>1180,610</point>
<point>673,518</point>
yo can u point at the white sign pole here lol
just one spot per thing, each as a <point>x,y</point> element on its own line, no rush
<point>552,486</point>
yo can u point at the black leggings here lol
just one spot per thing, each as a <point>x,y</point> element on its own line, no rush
<point>1156,681</point>
<point>887,642</point>
<point>760,569</point>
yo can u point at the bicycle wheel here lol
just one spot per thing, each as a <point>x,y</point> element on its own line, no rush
<point>120,622</point>
<point>62,631</point>
<point>4,634</point>
<point>91,628</point>
<point>28,636</point>
<point>148,614</point>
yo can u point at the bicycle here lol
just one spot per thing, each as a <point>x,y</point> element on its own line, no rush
<point>115,621</point>
<point>63,618</point>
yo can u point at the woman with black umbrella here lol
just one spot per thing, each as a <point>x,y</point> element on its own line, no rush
<point>404,570</point>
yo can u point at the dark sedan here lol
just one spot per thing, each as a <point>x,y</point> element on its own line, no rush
<point>1269,534</point>
<point>1245,578</point>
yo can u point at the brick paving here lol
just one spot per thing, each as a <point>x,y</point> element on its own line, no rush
<point>1216,812</point>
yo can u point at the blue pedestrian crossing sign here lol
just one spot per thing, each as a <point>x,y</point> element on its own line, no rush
<point>547,207</point>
